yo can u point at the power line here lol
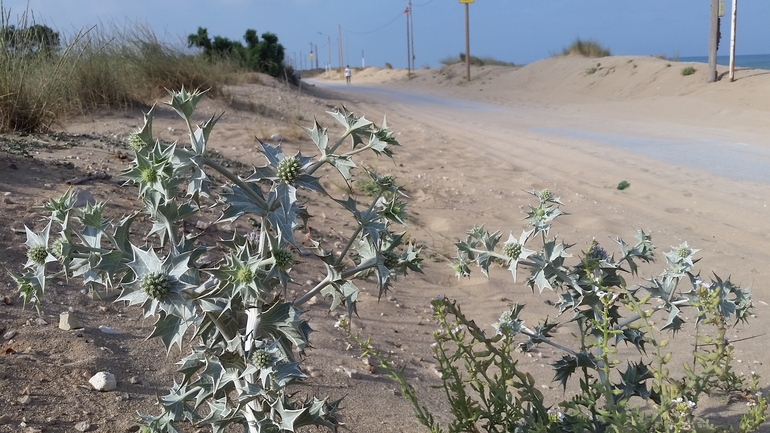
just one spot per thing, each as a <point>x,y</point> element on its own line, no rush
<point>423,4</point>
<point>377,29</point>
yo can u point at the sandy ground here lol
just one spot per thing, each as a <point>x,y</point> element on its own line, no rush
<point>465,161</point>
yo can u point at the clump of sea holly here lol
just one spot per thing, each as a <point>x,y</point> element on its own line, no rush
<point>156,285</point>
<point>244,275</point>
<point>289,170</point>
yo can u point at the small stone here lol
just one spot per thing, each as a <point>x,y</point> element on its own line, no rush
<point>201,225</point>
<point>108,330</point>
<point>40,321</point>
<point>68,321</point>
<point>103,381</point>
<point>83,426</point>
<point>134,380</point>
<point>122,397</point>
<point>351,373</point>
<point>7,300</point>
<point>7,200</point>
<point>10,334</point>
<point>276,137</point>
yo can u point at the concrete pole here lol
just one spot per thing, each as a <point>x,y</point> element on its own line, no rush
<point>411,31</point>
<point>329,63</point>
<point>339,46</point>
<point>733,27</point>
<point>713,31</point>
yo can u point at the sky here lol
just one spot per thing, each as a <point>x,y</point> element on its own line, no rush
<point>374,31</point>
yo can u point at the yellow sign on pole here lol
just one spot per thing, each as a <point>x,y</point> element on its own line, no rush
<point>466,1</point>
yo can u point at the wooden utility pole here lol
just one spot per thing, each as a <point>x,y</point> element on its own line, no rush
<point>408,49</point>
<point>411,31</point>
<point>733,27</point>
<point>713,34</point>
<point>467,43</point>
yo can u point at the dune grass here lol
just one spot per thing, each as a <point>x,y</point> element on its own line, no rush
<point>585,48</point>
<point>476,61</point>
<point>106,66</point>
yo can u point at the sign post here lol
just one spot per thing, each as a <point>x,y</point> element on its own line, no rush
<point>467,40</point>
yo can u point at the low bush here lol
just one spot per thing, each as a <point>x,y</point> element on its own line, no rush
<point>688,70</point>
<point>487,390</point>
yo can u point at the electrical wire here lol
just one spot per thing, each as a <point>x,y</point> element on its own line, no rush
<point>377,29</point>
<point>423,4</point>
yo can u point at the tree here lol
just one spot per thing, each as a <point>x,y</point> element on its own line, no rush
<point>37,39</point>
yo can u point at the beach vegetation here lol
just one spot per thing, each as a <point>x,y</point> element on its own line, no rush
<point>388,65</point>
<point>489,389</point>
<point>232,309</point>
<point>46,76</point>
<point>265,55</point>
<point>688,70</point>
<point>585,48</point>
<point>475,61</point>
<point>592,70</point>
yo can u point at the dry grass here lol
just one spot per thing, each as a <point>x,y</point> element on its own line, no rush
<point>589,48</point>
<point>106,66</point>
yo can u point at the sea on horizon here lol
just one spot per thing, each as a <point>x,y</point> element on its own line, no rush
<point>753,61</point>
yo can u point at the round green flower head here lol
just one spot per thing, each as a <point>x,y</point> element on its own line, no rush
<point>57,249</point>
<point>283,258</point>
<point>244,275</point>
<point>136,142</point>
<point>261,358</point>
<point>145,429</point>
<point>289,170</point>
<point>546,194</point>
<point>156,285</point>
<point>38,254</point>
<point>683,252</point>
<point>540,212</point>
<point>512,250</point>
<point>391,259</point>
<point>148,175</point>
<point>387,180</point>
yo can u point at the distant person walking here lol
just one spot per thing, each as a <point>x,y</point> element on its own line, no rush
<point>347,74</point>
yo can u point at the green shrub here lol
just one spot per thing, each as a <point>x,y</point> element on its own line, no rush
<point>476,61</point>
<point>488,390</point>
<point>248,332</point>
<point>688,70</point>
<point>591,71</point>
<point>589,48</point>
<point>388,65</point>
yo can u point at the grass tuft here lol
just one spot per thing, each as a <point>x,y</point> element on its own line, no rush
<point>589,48</point>
<point>688,70</point>
<point>476,61</point>
<point>106,66</point>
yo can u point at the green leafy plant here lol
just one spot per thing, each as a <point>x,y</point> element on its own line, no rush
<point>585,48</point>
<point>591,71</point>
<point>488,391</point>
<point>688,70</point>
<point>242,330</point>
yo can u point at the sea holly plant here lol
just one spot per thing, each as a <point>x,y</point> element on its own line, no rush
<point>230,305</point>
<point>488,391</point>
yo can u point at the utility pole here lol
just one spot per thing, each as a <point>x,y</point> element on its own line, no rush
<point>339,44</point>
<point>411,31</point>
<point>363,61</point>
<point>312,56</point>
<point>733,28</point>
<point>713,34</point>
<point>468,39</point>
<point>317,54</point>
<point>408,49</point>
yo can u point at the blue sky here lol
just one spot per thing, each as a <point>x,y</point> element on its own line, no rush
<point>520,31</point>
